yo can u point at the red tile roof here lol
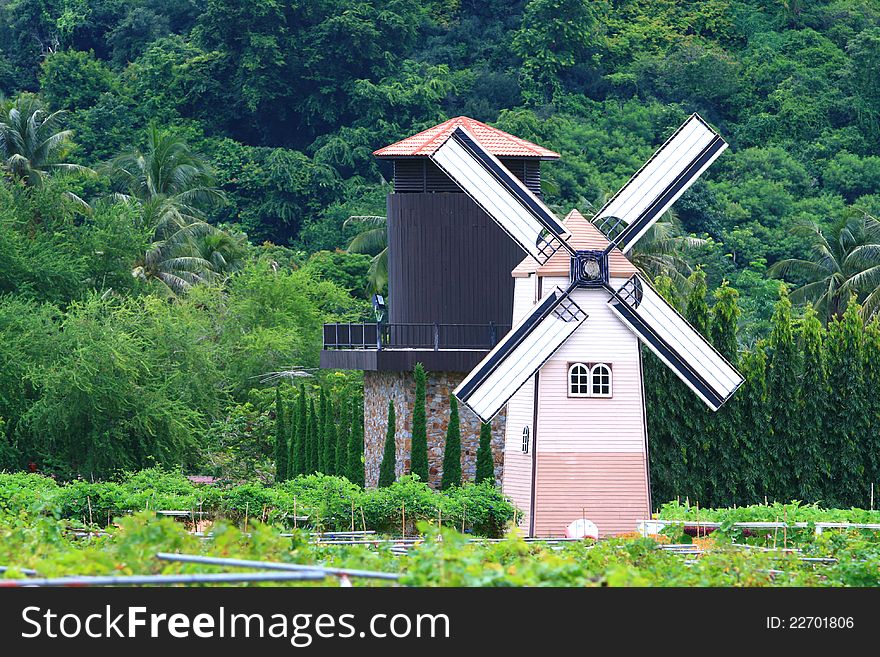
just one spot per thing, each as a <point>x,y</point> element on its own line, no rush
<point>497,142</point>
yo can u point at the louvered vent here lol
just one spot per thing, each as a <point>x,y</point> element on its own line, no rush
<point>418,175</point>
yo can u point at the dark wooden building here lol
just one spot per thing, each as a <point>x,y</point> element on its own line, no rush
<point>450,293</point>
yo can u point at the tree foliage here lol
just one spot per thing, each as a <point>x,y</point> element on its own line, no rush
<point>389,454</point>
<point>419,441</point>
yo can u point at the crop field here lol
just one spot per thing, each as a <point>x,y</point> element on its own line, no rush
<point>46,532</point>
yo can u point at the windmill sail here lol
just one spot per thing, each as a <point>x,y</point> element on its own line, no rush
<point>520,354</point>
<point>675,342</point>
<point>504,198</point>
<point>627,216</point>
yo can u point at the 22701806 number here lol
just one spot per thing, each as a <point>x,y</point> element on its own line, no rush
<point>810,622</point>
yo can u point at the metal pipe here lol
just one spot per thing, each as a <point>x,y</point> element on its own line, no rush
<point>274,565</point>
<point>141,580</point>
<point>24,571</point>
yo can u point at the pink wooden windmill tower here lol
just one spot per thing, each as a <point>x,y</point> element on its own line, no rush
<point>570,369</point>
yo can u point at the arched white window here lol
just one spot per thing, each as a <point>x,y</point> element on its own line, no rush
<point>525,439</point>
<point>600,377</point>
<point>578,380</point>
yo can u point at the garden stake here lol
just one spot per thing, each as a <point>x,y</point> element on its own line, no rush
<point>463,517</point>
<point>872,496</point>
<point>775,532</point>
<point>246,510</point>
<point>352,514</point>
<point>785,529</point>
<point>89,500</point>
<point>294,512</point>
<point>363,520</point>
<point>403,519</point>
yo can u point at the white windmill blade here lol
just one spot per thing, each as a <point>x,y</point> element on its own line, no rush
<point>659,326</point>
<point>520,354</point>
<point>627,216</point>
<point>508,201</point>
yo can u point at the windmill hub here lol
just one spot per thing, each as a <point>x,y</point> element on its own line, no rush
<point>589,268</point>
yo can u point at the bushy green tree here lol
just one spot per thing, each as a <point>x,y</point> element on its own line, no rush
<point>72,79</point>
<point>452,449</point>
<point>389,455</point>
<point>419,456</point>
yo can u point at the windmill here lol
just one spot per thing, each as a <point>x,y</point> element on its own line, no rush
<point>547,477</point>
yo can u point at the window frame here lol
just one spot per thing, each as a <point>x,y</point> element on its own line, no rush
<point>591,370</point>
<point>589,380</point>
<point>593,374</point>
<point>526,439</point>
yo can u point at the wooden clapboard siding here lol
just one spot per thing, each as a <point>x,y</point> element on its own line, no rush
<point>610,489</point>
<point>584,424</point>
<point>520,410</point>
<point>448,262</point>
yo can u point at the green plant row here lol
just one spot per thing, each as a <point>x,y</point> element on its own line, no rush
<point>39,543</point>
<point>777,512</point>
<point>329,503</point>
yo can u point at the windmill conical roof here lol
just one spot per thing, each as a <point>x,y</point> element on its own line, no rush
<point>583,236</point>
<point>497,142</point>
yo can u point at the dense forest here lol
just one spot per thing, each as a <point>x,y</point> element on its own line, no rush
<point>179,176</point>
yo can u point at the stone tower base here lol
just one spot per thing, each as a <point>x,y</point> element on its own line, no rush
<point>379,387</point>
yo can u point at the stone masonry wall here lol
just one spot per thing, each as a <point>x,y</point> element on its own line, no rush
<point>379,387</point>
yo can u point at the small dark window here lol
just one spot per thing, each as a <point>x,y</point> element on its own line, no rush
<point>525,444</point>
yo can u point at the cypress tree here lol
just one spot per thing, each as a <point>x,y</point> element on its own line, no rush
<point>871,442</point>
<point>312,439</point>
<point>485,462</point>
<point>664,394</point>
<point>845,421</point>
<point>754,427</point>
<point>811,458</point>
<point>452,450</point>
<point>356,444</point>
<point>296,464</point>
<point>343,427</point>
<point>386,469</point>
<point>725,425</point>
<point>696,418</point>
<point>321,432</point>
<point>328,459</point>
<point>725,322</point>
<point>419,455</point>
<point>281,445</point>
<point>782,381</point>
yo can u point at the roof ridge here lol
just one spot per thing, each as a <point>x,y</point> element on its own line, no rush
<point>494,140</point>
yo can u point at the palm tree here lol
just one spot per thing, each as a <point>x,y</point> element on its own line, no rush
<point>373,240</point>
<point>172,184</point>
<point>32,143</point>
<point>661,249</point>
<point>841,264</point>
